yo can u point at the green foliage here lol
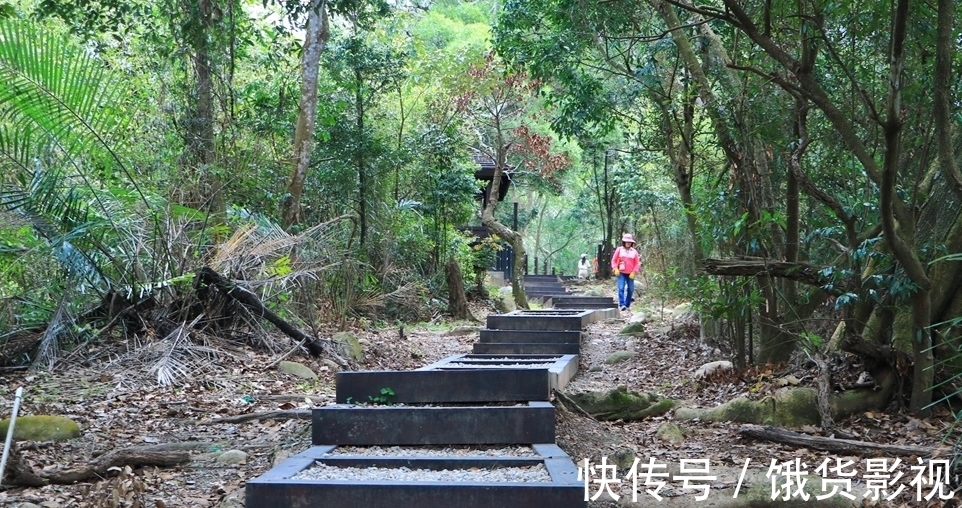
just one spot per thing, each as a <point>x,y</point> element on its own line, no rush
<point>811,341</point>
<point>385,397</point>
<point>62,176</point>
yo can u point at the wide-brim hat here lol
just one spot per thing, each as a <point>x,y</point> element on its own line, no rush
<point>627,238</point>
<point>584,255</point>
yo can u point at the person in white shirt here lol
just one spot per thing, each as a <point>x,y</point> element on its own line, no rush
<point>583,267</point>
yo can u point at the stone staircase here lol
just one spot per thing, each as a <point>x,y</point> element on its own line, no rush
<point>495,397</point>
<point>541,287</point>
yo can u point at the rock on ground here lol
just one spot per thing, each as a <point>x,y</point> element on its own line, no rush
<point>41,428</point>
<point>297,369</point>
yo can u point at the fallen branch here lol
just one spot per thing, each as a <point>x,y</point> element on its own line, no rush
<point>845,446</point>
<point>291,414</point>
<point>750,267</point>
<point>22,474</point>
<point>243,296</point>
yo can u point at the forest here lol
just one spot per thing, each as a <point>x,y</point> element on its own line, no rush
<point>226,168</point>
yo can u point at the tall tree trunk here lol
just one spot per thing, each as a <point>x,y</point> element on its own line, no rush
<point>800,140</point>
<point>208,194</point>
<point>944,50</point>
<point>315,41</point>
<point>360,160</point>
<point>680,157</point>
<point>923,372</point>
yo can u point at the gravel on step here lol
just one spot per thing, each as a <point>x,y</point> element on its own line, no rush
<point>528,474</point>
<point>433,451</point>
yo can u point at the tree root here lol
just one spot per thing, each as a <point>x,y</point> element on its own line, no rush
<point>843,446</point>
<point>291,414</point>
<point>20,473</point>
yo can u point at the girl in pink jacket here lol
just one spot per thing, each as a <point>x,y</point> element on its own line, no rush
<point>625,263</point>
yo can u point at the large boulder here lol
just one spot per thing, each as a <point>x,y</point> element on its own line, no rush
<point>41,428</point>
<point>622,404</point>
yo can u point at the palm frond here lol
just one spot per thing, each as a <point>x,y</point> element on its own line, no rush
<point>176,358</point>
<point>52,83</point>
<point>48,350</point>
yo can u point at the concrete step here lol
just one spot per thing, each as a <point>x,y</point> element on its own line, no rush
<point>537,278</point>
<point>541,296</point>
<point>585,306</point>
<point>346,424</point>
<point>543,292</point>
<point>545,320</point>
<point>441,387</point>
<point>543,284</point>
<point>525,348</point>
<point>487,335</point>
<point>561,368</point>
<point>279,489</point>
<point>580,299</point>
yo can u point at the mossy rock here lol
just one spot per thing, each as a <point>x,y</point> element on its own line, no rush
<point>683,311</point>
<point>349,346</point>
<point>634,329</point>
<point>503,301</point>
<point>793,407</point>
<point>623,459</point>
<point>297,369</point>
<point>619,356</point>
<point>671,432</point>
<point>41,428</point>
<point>621,404</point>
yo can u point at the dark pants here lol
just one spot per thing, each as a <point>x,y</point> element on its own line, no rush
<point>626,289</point>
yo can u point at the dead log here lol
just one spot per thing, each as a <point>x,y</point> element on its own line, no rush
<point>751,267</point>
<point>20,473</point>
<point>207,275</point>
<point>843,446</point>
<point>291,414</point>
